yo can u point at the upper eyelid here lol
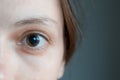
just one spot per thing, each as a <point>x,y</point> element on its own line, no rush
<point>51,37</point>
<point>36,32</point>
<point>18,34</point>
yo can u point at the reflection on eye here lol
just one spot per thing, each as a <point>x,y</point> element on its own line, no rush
<point>34,40</point>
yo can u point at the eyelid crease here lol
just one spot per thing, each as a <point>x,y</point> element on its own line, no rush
<point>43,34</point>
<point>36,32</point>
<point>48,36</point>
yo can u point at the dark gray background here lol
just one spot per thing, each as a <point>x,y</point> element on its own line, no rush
<point>98,57</point>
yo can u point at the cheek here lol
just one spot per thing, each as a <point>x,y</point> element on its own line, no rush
<point>43,67</point>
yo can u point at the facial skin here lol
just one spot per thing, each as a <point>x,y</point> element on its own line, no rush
<point>38,21</point>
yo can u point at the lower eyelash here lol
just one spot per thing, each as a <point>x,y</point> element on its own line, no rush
<point>32,51</point>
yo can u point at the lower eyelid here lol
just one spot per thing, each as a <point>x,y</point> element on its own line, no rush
<point>27,50</point>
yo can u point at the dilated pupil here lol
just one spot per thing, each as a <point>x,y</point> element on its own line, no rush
<point>33,40</point>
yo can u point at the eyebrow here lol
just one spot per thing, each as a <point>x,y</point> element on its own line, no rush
<point>40,20</point>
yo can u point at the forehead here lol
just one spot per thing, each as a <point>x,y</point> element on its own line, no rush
<point>25,2</point>
<point>14,10</point>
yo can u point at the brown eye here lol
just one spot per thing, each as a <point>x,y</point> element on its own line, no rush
<point>34,40</point>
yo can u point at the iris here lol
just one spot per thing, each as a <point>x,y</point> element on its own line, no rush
<point>33,39</point>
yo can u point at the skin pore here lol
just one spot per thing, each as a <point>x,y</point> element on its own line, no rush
<point>21,23</point>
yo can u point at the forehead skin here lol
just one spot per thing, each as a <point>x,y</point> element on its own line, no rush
<point>15,10</point>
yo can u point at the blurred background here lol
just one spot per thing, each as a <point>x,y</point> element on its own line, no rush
<point>98,56</point>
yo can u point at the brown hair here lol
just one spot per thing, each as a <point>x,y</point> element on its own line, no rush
<point>69,30</point>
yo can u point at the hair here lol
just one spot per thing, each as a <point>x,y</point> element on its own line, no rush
<point>70,33</point>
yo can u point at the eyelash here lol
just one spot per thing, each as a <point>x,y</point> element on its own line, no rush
<point>26,48</point>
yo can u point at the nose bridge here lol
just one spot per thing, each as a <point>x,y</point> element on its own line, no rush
<point>3,49</point>
<point>4,59</point>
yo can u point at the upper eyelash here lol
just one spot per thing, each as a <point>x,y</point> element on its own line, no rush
<point>31,32</point>
<point>37,33</point>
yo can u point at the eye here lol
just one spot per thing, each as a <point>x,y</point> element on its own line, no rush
<point>34,40</point>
